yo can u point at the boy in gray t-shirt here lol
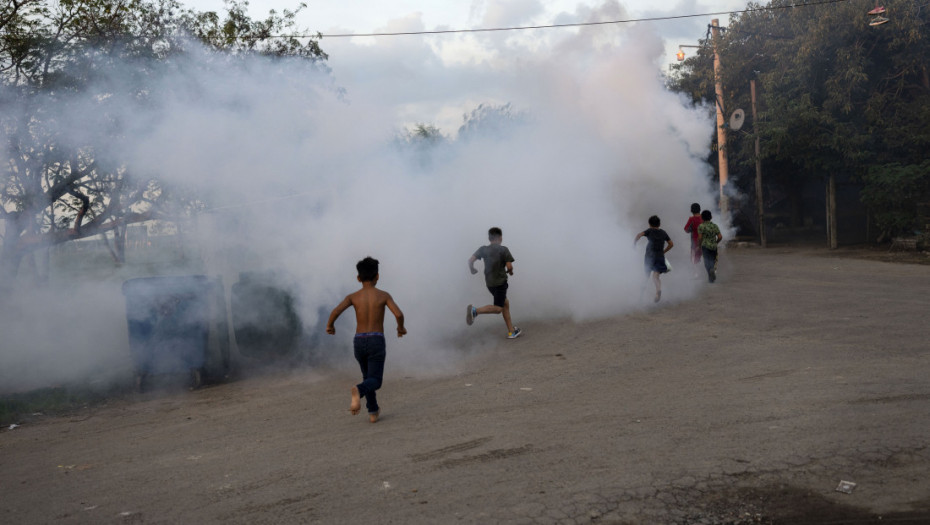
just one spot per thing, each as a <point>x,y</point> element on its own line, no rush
<point>498,264</point>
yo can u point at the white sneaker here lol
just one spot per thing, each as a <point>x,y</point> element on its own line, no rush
<point>470,315</point>
<point>515,334</point>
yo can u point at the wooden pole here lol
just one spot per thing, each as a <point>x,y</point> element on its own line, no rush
<point>760,205</point>
<point>826,208</point>
<point>721,121</point>
<point>831,212</point>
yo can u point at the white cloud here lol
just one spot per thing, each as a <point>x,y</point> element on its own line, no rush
<point>508,13</point>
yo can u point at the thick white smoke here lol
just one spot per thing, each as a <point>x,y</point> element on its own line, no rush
<point>307,180</point>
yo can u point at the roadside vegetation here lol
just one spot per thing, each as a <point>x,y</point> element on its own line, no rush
<point>57,186</point>
<point>842,96</point>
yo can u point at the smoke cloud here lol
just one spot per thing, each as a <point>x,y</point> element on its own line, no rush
<point>305,176</point>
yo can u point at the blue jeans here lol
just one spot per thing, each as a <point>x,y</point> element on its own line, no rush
<point>370,351</point>
<point>710,263</point>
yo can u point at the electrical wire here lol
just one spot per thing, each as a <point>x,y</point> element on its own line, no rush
<point>555,26</point>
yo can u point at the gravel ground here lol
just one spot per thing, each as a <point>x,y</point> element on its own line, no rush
<point>747,405</point>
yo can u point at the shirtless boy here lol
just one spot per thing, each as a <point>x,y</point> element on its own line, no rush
<point>369,304</point>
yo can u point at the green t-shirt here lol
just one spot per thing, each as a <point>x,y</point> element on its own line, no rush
<point>495,257</point>
<point>708,232</point>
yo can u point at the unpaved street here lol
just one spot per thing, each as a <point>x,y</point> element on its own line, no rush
<point>749,404</point>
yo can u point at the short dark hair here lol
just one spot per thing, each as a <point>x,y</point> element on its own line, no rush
<point>654,221</point>
<point>367,269</point>
<point>495,233</point>
<point>706,216</point>
<point>695,208</point>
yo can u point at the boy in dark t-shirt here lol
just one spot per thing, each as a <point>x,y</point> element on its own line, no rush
<point>498,263</point>
<point>655,252</point>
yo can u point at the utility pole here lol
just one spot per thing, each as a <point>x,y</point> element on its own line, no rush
<point>721,121</point>
<point>831,212</point>
<point>760,208</point>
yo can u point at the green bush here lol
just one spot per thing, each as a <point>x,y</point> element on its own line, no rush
<point>892,193</point>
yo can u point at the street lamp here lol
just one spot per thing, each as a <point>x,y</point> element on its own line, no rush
<point>681,52</point>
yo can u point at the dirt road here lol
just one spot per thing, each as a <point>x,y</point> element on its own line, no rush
<point>749,405</point>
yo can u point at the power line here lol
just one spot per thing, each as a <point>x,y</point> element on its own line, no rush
<point>555,26</point>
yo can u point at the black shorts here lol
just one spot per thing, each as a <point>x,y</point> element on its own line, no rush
<point>655,263</point>
<point>500,294</point>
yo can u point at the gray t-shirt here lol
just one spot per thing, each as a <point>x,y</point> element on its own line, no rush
<point>495,257</point>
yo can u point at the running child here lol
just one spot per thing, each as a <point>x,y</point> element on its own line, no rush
<point>655,252</point>
<point>710,237</point>
<point>369,344</point>
<point>498,264</point>
<point>692,227</point>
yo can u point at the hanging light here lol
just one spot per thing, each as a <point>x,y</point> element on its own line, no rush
<point>680,55</point>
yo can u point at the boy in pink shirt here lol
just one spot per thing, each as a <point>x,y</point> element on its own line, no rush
<point>692,227</point>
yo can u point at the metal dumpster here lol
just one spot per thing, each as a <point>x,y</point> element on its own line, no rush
<point>177,324</point>
<point>264,318</point>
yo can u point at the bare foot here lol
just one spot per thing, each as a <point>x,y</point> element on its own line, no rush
<point>356,402</point>
<point>374,417</point>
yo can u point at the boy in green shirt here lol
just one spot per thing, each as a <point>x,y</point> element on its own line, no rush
<point>710,236</point>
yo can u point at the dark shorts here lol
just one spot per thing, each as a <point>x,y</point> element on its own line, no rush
<point>500,294</point>
<point>655,263</point>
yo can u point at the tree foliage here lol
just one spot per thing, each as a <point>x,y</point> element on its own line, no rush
<point>427,144</point>
<point>490,121</point>
<point>60,179</point>
<point>893,191</point>
<point>837,96</point>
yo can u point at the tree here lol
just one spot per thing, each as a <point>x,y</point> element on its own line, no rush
<point>840,98</point>
<point>57,185</point>
<point>427,144</point>
<point>490,121</point>
<point>894,191</point>
<point>421,144</point>
<point>239,34</point>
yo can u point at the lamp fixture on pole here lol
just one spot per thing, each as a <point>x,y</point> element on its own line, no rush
<point>681,52</point>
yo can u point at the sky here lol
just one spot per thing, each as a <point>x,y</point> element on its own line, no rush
<point>349,57</point>
<point>366,16</point>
